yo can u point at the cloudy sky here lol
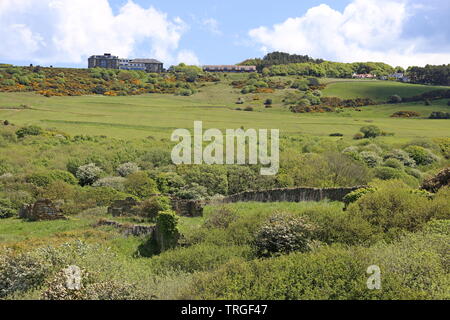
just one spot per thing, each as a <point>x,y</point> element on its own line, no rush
<point>66,32</point>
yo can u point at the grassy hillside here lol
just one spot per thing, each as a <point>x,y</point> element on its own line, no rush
<point>158,115</point>
<point>374,89</point>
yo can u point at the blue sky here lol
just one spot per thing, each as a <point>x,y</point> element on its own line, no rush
<point>66,32</point>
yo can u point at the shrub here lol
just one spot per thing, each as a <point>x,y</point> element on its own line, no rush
<point>116,183</point>
<point>356,195</point>
<point>268,102</point>
<point>221,218</point>
<point>199,257</point>
<point>193,192</point>
<point>421,156</point>
<point>387,173</point>
<point>21,272</point>
<point>371,159</point>
<point>371,131</point>
<point>151,207</point>
<point>248,109</point>
<point>167,230</point>
<point>395,99</point>
<point>126,169</point>
<point>393,163</point>
<point>405,114</point>
<point>282,234</point>
<point>336,134</point>
<point>140,185</point>
<point>29,131</point>
<point>402,156</point>
<point>88,174</point>
<point>393,207</point>
<point>7,209</point>
<point>358,136</point>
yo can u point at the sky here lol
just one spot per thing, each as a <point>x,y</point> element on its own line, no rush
<point>65,33</point>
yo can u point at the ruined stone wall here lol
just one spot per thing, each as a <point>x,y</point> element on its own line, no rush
<point>291,195</point>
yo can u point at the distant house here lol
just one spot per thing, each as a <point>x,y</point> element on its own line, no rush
<point>229,68</point>
<point>109,61</point>
<point>363,76</point>
<point>399,76</point>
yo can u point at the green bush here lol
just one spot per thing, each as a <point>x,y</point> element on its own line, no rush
<point>199,257</point>
<point>393,207</point>
<point>29,131</point>
<point>126,169</point>
<point>7,209</point>
<point>388,173</point>
<point>221,218</point>
<point>88,174</point>
<point>421,156</point>
<point>402,156</point>
<point>111,182</point>
<point>355,195</point>
<point>393,163</point>
<point>151,207</point>
<point>371,131</point>
<point>167,230</point>
<point>371,159</point>
<point>282,234</point>
<point>140,185</point>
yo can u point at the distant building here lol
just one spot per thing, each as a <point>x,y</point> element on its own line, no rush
<point>106,61</point>
<point>148,65</point>
<point>109,61</point>
<point>399,76</point>
<point>229,68</point>
<point>364,76</point>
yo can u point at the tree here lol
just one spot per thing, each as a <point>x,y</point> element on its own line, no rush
<point>88,174</point>
<point>140,185</point>
<point>370,131</point>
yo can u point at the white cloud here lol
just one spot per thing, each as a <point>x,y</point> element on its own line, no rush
<point>188,57</point>
<point>67,31</point>
<point>367,30</point>
<point>212,25</point>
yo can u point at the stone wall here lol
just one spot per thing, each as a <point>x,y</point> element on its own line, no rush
<point>133,230</point>
<point>188,208</point>
<point>291,195</point>
<point>41,210</point>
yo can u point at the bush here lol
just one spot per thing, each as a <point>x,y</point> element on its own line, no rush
<point>402,156</point>
<point>358,136</point>
<point>167,230</point>
<point>126,169</point>
<point>88,174</point>
<point>393,163</point>
<point>421,156</point>
<point>336,135</point>
<point>371,159</point>
<point>356,195</point>
<point>140,185</point>
<point>116,183</point>
<point>371,131</point>
<point>395,99</point>
<point>199,257</point>
<point>282,234</point>
<point>7,209</point>
<point>151,207</point>
<point>21,272</point>
<point>221,218</point>
<point>387,173</point>
<point>393,207</point>
<point>29,131</point>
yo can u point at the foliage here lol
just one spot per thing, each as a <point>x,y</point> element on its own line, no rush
<point>282,234</point>
<point>152,206</point>
<point>167,229</point>
<point>140,185</point>
<point>221,218</point>
<point>88,174</point>
<point>125,169</point>
<point>29,131</point>
<point>370,131</point>
<point>421,156</point>
<point>7,209</point>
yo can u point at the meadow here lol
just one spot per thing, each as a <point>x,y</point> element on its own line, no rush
<point>158,115</point>
<point>84,152</point>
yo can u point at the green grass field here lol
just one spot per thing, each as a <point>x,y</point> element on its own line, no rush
<point>158,115</point>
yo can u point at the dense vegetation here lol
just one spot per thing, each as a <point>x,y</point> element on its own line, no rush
<point>436,75</point>
<point>83,153</point>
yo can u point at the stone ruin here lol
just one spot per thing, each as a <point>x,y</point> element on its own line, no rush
<point>41,210</point>
<point>129,206</point>
<point>128,230</point>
